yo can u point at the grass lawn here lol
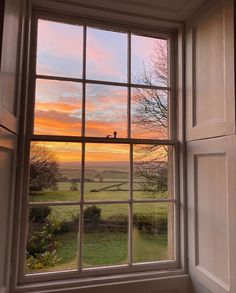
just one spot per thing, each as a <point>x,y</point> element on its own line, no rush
<point>107,248</point>
<point>103,247</point>
<point>109,211</point>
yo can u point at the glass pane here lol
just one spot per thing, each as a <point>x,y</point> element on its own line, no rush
<point>52,241</point>
<point>152,172</point>
<point>57,107</point>
<point>54,171</point>
<point>149,113</point>
<point>59,49</point>
<point>149,61</point>
<point>106,111</point>
<point>153,232</point>
<point>105,235</point>
<point>106,55</point>
<point>106,172</point>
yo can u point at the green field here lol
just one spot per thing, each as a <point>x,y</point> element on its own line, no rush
<point>107,246</point>
<point>102,249</point>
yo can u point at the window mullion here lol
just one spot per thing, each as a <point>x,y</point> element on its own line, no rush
<point>84,78</point>
<point>81,218</point>
<point>130,235</point>
<point>129,88</point>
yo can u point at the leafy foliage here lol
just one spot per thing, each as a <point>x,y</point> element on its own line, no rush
<point>39,214</point>
<point>41,244</point>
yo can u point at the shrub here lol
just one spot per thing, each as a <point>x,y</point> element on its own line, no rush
<point>92,213</point>
<point>39,214</point>
<point>151,223</point>
<point>68,226</point>
<point>121,218</point>
<point>42,245</point>
<point>74,186</point>
<point>46,259</point>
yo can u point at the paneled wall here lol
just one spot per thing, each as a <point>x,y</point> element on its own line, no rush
<point>10,32</point>
<point>7,161</point>
<point>211,148</point>
<point>210,72</point>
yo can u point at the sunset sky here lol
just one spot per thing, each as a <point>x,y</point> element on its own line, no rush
<point>58,103</point>
<point>71,152</point>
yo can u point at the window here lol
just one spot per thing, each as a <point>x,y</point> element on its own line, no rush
<point>102,155</point>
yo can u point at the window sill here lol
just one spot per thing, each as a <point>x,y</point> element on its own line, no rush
<point>135,282</point>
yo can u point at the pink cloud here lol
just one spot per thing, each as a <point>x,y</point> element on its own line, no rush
<point>60,40</point>
<point>143,47</point>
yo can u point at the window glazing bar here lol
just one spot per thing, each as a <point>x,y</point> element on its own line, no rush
<point>103,82</point>
<point>59,138</point>
<point>76,203</point>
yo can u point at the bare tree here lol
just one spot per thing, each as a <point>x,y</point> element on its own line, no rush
<point>151,169</point>
<point>151,117</point>
<point>151,105</point>
<point>44,168</point>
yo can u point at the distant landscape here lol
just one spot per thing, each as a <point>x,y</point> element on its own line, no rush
<point>106,225</point>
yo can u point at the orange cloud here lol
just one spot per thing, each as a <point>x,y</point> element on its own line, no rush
<point>64,152</point>
<point>59,123</point>
<point>106,152</point>
<point>56,106</point>
<point>99,128</point>
<point>56,123</point>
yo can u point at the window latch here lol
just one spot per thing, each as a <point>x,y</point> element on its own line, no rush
<point>110,135</point>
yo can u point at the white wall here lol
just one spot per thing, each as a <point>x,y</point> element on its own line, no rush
<point>211,161</point>
<point>211,148</point>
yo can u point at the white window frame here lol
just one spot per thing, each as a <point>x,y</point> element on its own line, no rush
<point>124,272</point>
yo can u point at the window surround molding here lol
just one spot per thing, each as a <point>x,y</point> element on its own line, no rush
<point>69,281</point>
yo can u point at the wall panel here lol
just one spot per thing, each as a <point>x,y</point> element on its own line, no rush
<point>211,199</point>
<point>211,212</point>
<point>9,73</point>
<point>7,175</point>
<point>210,73</point>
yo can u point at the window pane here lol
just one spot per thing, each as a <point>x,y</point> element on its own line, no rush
<point>52,241</point>
<point>106,172</point>
<point>153,232</point>
<point>57,107</point>
<point>149,112</point>
<point>59,49</point>
<point>149,61</point>
<point>54,171</point>
<point>106,55</point>
<point>105,235</point>
<point>152,172</point>
<point>106,111</point>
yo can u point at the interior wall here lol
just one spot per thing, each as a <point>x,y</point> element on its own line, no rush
<point>10,32</point>
<point>10,82</point>
<point>211,144</point>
